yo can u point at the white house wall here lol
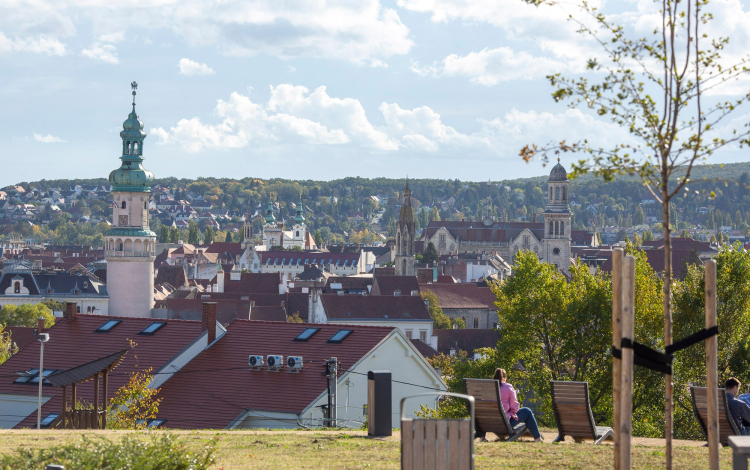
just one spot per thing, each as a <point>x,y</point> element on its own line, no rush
<point>15,408</point>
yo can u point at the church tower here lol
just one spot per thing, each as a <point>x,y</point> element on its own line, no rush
<point>247,234</point>
<point>557,217</point>
<point>273,231</point>
<point>130,244</point>
<point>405,233</point>
<point>299,229</point>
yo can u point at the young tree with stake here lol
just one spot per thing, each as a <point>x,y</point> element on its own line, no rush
<point>655,87</point>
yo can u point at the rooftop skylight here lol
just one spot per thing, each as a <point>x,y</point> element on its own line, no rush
<point>153,328</point>
<point>339,336</point>
<point>307,334</point>
<point>108,326</point>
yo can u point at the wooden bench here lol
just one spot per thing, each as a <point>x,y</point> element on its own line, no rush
<point>444,444</point>
<point>740,451</point>
<point>490,414</point>
<point>727,425</point>
<point>570,402</point>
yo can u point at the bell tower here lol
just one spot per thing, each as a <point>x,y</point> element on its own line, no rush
<point>405,232</point>
<point>130,244</point>
<point>557,218</point>
<point>247,227</point>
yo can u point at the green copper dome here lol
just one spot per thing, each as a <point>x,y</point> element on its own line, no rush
<point>299,219</point>
<point>131,176</point>
<point>269,214</point>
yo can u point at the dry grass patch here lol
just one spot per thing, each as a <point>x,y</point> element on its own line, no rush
<point>352,449</point>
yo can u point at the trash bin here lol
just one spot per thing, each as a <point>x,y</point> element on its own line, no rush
<point>379,403</point>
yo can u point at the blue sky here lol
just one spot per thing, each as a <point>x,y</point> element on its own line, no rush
<point>303,90</point>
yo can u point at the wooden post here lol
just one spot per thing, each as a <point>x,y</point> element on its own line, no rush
<point>712,374</point>
<point>104,401</point>
<point>64,407</point>
<point>616,339</point>
<point>626,387</point>
<point>95,423</point>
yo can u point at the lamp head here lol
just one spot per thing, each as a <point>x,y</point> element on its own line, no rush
<point>43,337</point>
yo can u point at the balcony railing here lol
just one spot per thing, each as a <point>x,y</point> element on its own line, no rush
<point>127,254</point>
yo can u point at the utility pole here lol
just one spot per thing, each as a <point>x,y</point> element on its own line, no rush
<point>43,338</point>
<point>333,391</point>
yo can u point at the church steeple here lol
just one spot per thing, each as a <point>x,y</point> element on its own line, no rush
<point>131,176</point>
<point>299,218</point>
<point>405,233</point>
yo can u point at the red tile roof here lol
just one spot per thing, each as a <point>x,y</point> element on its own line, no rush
<point>268,314</point>
<point>252,283</point>
<point>387,285</point>
<point>461,295</point>
<point>225,388</point>
<point>466,340</point>
<point>374,307</point>
<point>21,335</point>
<point>74,343</point>
<point>227,310</point>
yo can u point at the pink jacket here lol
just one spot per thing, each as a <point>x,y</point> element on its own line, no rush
<point>509,400</point>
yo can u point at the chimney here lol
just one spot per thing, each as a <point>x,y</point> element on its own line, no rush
<point>533,218</point>
<point>71,309</point>
<point>220,280</point>
<point>40,326</point>
<point>209,320</point>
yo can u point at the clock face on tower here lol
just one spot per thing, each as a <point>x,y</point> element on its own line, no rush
<point>123,221</point>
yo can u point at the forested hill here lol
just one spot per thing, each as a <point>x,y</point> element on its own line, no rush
<point>595,203</point>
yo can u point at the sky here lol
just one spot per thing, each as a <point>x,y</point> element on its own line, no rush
<point>317,89</point>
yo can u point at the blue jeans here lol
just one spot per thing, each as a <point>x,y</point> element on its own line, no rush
<point>525,415</point>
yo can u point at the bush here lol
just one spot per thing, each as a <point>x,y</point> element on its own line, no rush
<point>144,451</point>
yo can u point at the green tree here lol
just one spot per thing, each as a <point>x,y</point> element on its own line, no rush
<point>208,236</point>
<point>26,315</point>
<point>440,320</point>
<point>228,238</point>
<point>193,233</point>
<point>640,219</point>
<point>164,234</point>
<point>430,254</point>
<point>7,346</point>
<point>174,235</point>
<point>134,403</point>
<point>654,88</point>
<point>318,239</point>
<point>648,236</point>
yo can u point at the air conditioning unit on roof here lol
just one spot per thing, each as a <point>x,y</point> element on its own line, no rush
<point>275,363</point>
<point>294,363</point>
<point>256,362</point>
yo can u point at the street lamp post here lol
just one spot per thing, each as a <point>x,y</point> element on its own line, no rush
<point>43,338</point>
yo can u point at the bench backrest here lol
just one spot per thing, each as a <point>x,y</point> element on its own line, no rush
<point>490,414</point>
<point>570,402</point>
<point>428,444</point>
<point>727,425</point>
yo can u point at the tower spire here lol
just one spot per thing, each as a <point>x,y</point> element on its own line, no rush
<point>134,86</point>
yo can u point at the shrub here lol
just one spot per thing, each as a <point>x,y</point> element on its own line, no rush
<point>144,451</point>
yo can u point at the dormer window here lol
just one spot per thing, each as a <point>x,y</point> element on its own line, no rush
<point>16,287</point>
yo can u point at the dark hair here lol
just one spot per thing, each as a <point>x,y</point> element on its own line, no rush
<point>731,383</point>
<point>500,374</point>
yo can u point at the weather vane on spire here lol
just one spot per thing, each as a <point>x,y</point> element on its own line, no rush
<point>134,86</point>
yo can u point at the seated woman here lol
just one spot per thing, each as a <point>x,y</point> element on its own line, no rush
<point>512,408</point>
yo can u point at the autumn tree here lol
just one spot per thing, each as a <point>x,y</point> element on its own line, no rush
<point>26,315</point>
<point>655,88</point>
<point>440,320</point>
<point>7,346</point>
<point>134,403</point>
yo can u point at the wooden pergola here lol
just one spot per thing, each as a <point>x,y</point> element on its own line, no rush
<point>94,370</point>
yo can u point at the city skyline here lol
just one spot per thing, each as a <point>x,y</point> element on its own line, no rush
<point>321,91</point>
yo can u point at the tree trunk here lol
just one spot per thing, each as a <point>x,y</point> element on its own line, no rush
<point>667,299</point>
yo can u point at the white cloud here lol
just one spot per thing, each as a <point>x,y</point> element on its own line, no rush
<point>189,67</point>
<point>37,45</point>
<point>104,52</point>
<point>363,32</point>
<point>48,139</point>
<point>295,116</point>
<point>492,66</point>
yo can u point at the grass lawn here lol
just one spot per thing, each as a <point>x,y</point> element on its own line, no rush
<point>352,449</point>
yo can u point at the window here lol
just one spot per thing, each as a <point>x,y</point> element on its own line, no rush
<point>26,376</point>
<point>409,334</point>
<point>562,228</point>
<point>108,326</point>
<point>556,251</point>
<point>551,225</point>
<point>123,204</point>
<point>145,205</point>
<point>423,336</point>
<point>78,307</point>
<point>557,194</point>
<point>35,379</point>
<point>153,328</point>
<point>339,336</point>
<point>307,334</point>
<point>476,322</point>
<point>17,287</point>
<point>49,419</point>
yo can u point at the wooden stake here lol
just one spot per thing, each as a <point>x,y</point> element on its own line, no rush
<point>626,387</point>
<point>64,406</point>
<point>712,374</point>
<point>95,423</point>
<point>104,402</point>
<point>616,339</point>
